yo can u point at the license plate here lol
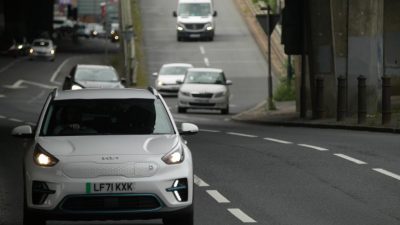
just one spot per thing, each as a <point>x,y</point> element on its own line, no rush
<point>195,35</point>
<point>201,101</point>
<point>94,188</point>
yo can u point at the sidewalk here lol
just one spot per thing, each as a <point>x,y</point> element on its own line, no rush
<point>286,115</point>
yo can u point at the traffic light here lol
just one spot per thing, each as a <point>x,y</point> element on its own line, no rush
<point>293,27</point>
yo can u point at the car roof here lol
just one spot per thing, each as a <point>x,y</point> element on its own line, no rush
<point>177,65</point>
<point>94,66</point>
<point>205,70</point>
<point>104,93</point>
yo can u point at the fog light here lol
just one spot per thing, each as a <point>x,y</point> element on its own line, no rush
<point>40,192</point>
<point>180,189</point>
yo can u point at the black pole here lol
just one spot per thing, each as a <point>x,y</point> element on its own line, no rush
<point>362,99</point>
<point>386,101</point>
<point>270,93</point>
<point>289,71</point>
<point>341,98</point>
<point>303,93</point>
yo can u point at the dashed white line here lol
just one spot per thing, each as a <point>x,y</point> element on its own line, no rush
<point>217,196</point>
<point>242,135</point>
<point>202,50</point>
<point>387,173</point>
<point>313,147</point>
<point>356,161</point>
<point>55,74</point>
<point>278,141</point>
<point>199,182</point>
<point>207,62</point>
<point>15,120</point>
<point>241,215</point>
<point>2,117</point>
<point>210,131</point>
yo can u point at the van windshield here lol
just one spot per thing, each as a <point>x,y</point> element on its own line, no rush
<point>194,9</point>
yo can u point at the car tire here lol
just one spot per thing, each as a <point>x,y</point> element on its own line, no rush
<point>186,218</point>
<point>30,218</point>
<point>179,39</point>
<point>182,110</point>
<point>225,111</point>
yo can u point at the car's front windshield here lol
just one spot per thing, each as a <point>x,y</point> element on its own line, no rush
<point>200,77</point>
<point>92,74</point>
<point>41,43</point>
<point>173,70</point>
<point>194,9</point>
<point>106,117</point>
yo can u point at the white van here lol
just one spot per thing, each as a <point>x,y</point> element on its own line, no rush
<point>195,19</point>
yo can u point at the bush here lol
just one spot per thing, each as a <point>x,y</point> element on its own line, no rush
<point>284,91</point>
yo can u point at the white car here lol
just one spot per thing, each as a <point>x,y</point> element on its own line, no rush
<point>195,19</point>
<point>104,154</point>
<point>42,48</point>
<point>170,76</point>
<point>204,88</point>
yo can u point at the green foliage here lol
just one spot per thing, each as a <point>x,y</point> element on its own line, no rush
<point>285,92</point>
<point>271,3</point>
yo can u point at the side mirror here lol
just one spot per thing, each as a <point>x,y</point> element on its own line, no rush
<point>174,14</point>
<point>123,82</point>
<point>155,74</point>
<point>229,82</point>
<point>215,14</point>
<point>188,129</point>
<point>179,81</point>
<point>24,131</point>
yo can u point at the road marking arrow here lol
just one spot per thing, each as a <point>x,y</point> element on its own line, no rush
<point>18,85</point>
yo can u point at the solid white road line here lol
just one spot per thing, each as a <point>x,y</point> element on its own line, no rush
<point>387,173</point>
<point>202,50</point>
<point>217,196</point>
<point>278,141</point>
<point>356,161</point>
<point>199,182</point>
<point>207,62</point>
<point>15,120</point>
<point>242,135</point>
<point>242,216</point>
<point>313,147</point>
<point>55,74</point>
<point>210,131</point>
<point>2,117</point>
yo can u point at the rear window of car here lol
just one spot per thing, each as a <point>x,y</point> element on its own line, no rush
<point>106,117</point>
<point>41,43</point>
<point>173,70</point>
<point>96,74</point>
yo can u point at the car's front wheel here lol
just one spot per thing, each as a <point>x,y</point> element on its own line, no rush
<point>185,218</point>
<point>30,218</point>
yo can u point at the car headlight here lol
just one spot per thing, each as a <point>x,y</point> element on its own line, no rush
<point>116,37</point>
<point>184,93</point>
<point>174,157</point>
<point>20,47</point>
<point>43,158</point>
<point>31,50</point>
<point>209,27</point>
<point>52,51</point>
<point>220,94</point>
<point>180,27</point>
<point>76,87</point>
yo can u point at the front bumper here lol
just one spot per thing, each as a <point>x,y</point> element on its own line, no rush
<point>168,88</point>
<point>202,103</point>
<point>195,34</point>
<point>42,55</point>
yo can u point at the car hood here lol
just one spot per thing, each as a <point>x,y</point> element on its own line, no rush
<point>106,145</point>
<point>195,19</point>
<point>203,88</point>
<point>100,84</point>
<point>170,79</point>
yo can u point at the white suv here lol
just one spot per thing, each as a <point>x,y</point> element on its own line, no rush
<point>195,19</point>
<point>101,154</point>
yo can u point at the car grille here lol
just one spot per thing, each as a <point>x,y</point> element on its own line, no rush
<point>111,203</point>
<point>202,104</point>
<point>195,26</point>
<point>203,95</point>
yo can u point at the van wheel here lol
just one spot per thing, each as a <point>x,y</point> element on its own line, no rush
<point>30,218</point>
<point>182,219</point>
<point>179,39</point>
<point>225,111</point>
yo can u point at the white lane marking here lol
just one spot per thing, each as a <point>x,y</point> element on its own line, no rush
<point>227,119</point>
<point>15,120</point>
<point>217,196</point>
<point>18,85</point>
<point>202,50</point>
<point>55,74</point>
<point>241,216</point>
<point>242,135</point>
<point>199,182</point>
<point>278,141</point>
<point>2,117</point>
<point>207,62</point>
<point>2,96</point>
<point>356,161</point>
<point>313,147</point>
<point>37,97</point>
<point>210,131</point>
<point>30,123</point>
<point>9,65</point>
<point>387,173</point>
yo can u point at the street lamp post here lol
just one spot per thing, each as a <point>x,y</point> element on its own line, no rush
<point>269,81</point>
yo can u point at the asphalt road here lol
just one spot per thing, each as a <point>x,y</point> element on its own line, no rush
<point>245,173</point>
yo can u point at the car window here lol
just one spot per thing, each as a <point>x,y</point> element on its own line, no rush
<point>41,43</point>
<point>199,77</point>
<point>106,117</point>
<point>92,74</point>
<point>173,70</point>
<point>194,9</point>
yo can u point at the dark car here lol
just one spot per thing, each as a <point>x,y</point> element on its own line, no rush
<point>92,76</point>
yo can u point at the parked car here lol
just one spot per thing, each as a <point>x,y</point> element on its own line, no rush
<point>169,76</point>
<point>107,154</point>
<point>92,76</point>
<point>43,48</point>
<point>204,88</point>
<point>19,49</point>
